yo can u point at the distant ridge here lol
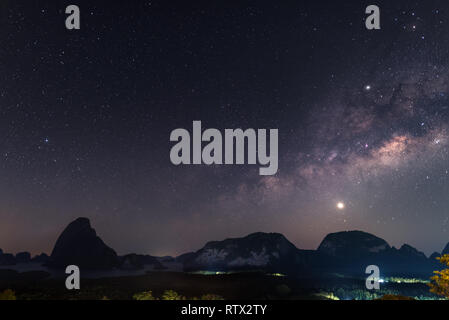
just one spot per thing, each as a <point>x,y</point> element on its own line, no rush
<point>347,252</point>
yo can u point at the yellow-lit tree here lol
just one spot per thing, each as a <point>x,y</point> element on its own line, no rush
<point>7,295</point>
<point>172,295</point>
<point>147,295</point>
<point>439,283</point>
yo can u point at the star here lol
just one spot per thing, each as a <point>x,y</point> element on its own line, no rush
<point>340,205</point>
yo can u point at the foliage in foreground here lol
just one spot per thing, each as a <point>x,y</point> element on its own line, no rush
<point>146,295</point>
<point>173,295</point>
<point>395,297</point>
<point>8,294</point>
<point>439,283</point>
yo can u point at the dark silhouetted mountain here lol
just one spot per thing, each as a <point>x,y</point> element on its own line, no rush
<point>167,259</point>
<point>353,251</point>
<point>138,261</point>
<point>348,252</point>
<point>352,244</point>
<point>436,265</point>
<point>343,252</point>
<point>42,258</point>
<point>434,256</point>
<point>7,259</point>
<point>23,257</point>
<point>270,252</point>
<point>184,257</point>
<point>445,250</point>
<point>407,251</point>
<point>406,258</point>
<point>79,245</point>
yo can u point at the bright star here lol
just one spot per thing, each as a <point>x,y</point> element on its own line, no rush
<point>340,205</point>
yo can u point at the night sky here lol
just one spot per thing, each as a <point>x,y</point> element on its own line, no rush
<point>86,116</point>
